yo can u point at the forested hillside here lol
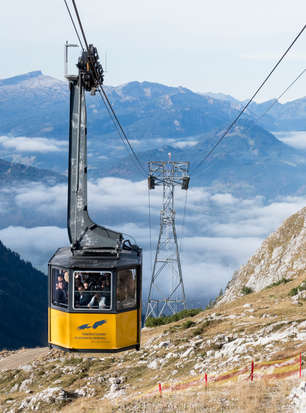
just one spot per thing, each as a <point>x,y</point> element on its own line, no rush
<point>23,302</point>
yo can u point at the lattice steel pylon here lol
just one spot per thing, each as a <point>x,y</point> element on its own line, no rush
<point>167,293</point>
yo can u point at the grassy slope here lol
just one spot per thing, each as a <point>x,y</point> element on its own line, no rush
<point>72,372</point>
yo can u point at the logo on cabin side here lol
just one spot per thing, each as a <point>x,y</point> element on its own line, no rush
<point>90,325</point>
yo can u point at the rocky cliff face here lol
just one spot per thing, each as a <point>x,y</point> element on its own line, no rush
<point>282,256</point>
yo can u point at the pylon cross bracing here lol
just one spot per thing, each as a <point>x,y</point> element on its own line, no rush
<point>167,292</point>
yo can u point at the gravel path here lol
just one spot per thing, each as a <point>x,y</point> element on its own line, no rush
<point>22,357</point>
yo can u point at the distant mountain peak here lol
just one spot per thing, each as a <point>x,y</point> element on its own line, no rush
<point>21,78</point>
<point>34,73</point>
<point>144,90</point>
<point>222,96</point>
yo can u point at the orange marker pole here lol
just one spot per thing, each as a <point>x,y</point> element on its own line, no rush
<point>205,379</point>
<point>160,389</point>
<point>252,371</point>
<point>300,364</point>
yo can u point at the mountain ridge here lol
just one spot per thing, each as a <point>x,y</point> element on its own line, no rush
<point>152,115</point>
<point>175,102</point>
<point>280,258</point>
<point>14,173</point>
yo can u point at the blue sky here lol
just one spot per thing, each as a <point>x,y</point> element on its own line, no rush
<point>221,46</point>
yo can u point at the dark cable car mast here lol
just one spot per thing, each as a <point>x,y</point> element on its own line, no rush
<point>85,236</point>
<point>95,285</point>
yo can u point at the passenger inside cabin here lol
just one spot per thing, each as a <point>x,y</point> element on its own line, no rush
<point>78,283</point>
<point>60,278</point>
<point>107,283</point>
<point>92,290</point>
<point>66,277</point>
<point>61,296</point>
<point>105,291</point>
<point>83,297</point>
<point>97,301</point>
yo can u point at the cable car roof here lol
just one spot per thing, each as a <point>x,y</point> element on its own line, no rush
<point>63,257</point>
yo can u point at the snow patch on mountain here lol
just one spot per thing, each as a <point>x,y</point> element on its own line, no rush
<point>33,82</point>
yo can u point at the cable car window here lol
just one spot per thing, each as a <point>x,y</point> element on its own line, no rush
<point>92,290</point>
<point>60,280</point>
<point>126,289</point>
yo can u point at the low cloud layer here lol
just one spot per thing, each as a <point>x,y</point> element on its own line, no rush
<point>220,233</point>
<point>30,145</point>
<point>41,199</point>
<point>35,245</point>
<point>185,144</point>
<point>296,139</point>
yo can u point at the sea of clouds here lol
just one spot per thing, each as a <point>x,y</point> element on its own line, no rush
<point>219,234</point>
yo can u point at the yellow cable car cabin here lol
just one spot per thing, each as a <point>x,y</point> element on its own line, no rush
<point>94,304</point>
<point>95,284</point>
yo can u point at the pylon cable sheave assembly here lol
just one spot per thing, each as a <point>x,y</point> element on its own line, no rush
<point>97,81</point>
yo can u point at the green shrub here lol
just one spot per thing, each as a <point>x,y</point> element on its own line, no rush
<point>188,324</point>
<point>293,291</point>
<point>279,282</point>
<point>302,286</point>
<point>203,326</point>
<point>172,329</point>
<point>198,331</point>
<point>159,321</point>
<point>154,322</point>
<point>246,290</point>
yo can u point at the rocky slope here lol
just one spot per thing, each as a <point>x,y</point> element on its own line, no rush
<point>268,323</point>
<point>281,257</point>
<point>261,326</point>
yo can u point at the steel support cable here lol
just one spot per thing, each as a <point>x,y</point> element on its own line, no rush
<point>258,118</point>
<point>275,100</point>
<point>250,100</point>
<point>80,23</point>
<point>74,26</point>
<point>104,97</point>
<point>281,95</point>
<point>118,125</point>
<point>183,224</point>
<point>125,143</point>
<point>270,107</point>
<point>150,230</point>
